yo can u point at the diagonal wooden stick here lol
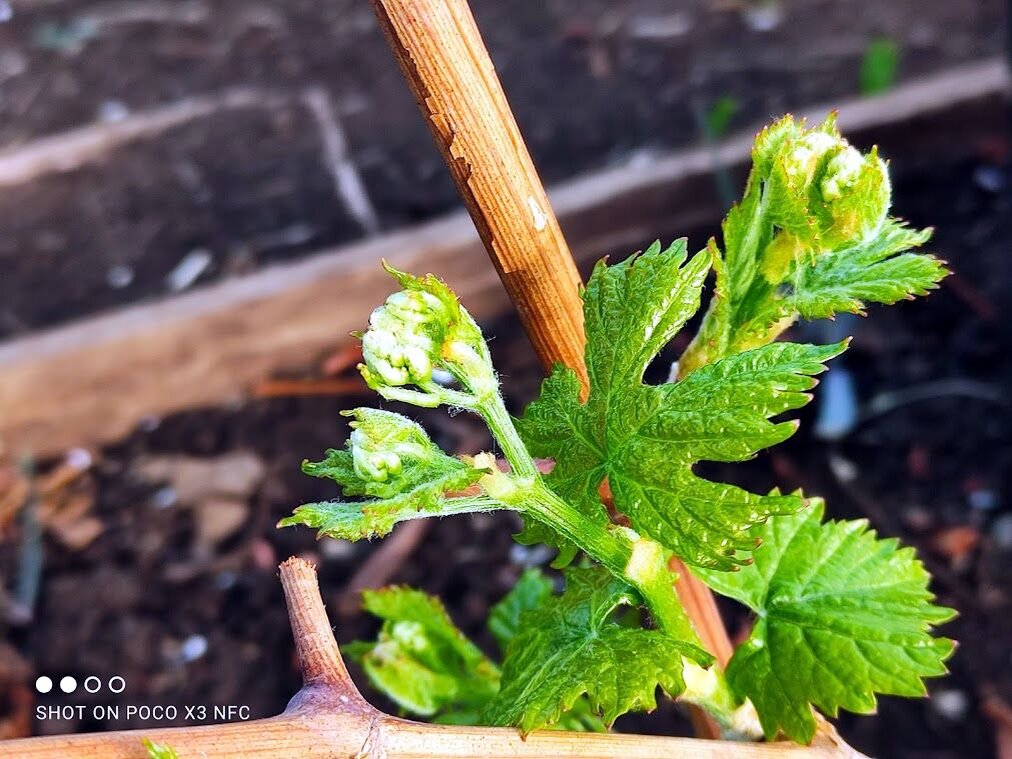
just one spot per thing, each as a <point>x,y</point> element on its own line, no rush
<point>447,67</point>
<point>451,75</point>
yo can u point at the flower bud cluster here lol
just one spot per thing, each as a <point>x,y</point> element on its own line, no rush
<point>820,194</point>
<point>371,462</point>
<point>405,337</point>
<point>419,329</point>
<point>842,173</point>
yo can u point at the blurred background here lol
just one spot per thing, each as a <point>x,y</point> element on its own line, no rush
<point>195,195</point>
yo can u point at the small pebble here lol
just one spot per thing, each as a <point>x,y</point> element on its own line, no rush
<point>1001,532</point>
<point>189,270</point>
<point>763,17</point>
<point>951,704</point>
<point>6,12</point>
<point>112,111</point>
<point>12,63</point>
<point>119,276</point>
<point>265,558</point>
<point>193,648</point>
<point>837,405</point>
<point>989,178</point>
<point>164,497</point>
<point>79,458</point>
<point>668,26</point>
<point>226,579</point>
<point>844,469</point>
<point>336,550</point>
<point>918,518</point>
<point>983,499</point>
<point>643,158</point>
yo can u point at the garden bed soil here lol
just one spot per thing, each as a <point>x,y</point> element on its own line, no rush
<point>178,591</point>
<point>592,82</point>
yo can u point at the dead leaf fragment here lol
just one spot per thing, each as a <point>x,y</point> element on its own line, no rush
<point>234,475</point>
<point>219,519</point>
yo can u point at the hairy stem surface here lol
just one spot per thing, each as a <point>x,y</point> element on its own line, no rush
<point>639,561</point>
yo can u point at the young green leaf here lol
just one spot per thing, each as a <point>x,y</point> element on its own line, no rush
<point>811,237</point>
<point>719,115</point>
<point>878,66</point>
<point>877,271</point>
<point>425,664</point>
<point>646,439</point>
<point>159,750</point>
<point>392,461</point>
<point>531,590</point>
<point>573,646</point>
<point>421,660</point>
<point>842,615</point>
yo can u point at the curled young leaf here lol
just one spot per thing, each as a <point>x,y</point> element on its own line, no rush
<point>396,465</point>
<point>425,664</point>
<point>421,328</point>
<point>421,660</point>
<point>811,237</point>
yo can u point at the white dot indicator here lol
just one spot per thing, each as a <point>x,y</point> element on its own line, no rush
<point>119,686</point>
<point>68,684</point>
<point>44,684</point>
<point>92,684</point>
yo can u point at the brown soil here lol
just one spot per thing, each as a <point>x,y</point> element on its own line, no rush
<point>127,603</point>
<point>592,82</point>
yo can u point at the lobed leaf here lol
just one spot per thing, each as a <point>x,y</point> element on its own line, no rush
<point>842,616</point>
<point>531,590</point>
<point>646,439</point>
<point>574,646</point>
<point>872,271</point>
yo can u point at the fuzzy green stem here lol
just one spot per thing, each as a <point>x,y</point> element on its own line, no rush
<point>500,424</point>
<point>639,561</point>
<point>714,339</point>
<point>642,563</point>
<point>708,689</point>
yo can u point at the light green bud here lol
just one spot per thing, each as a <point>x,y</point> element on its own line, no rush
<point>418,306</point>
<point>370,463</point>
<point>806,153</point>
<point>417,330</point>
<point>384,357</point>
<point>822,194</point>
<point>842,173</point>
<point>404,337</point>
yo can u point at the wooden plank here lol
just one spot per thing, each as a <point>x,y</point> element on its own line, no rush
<point>90,382</point>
